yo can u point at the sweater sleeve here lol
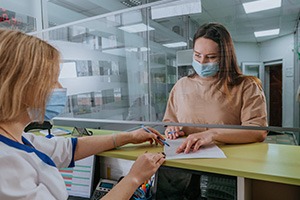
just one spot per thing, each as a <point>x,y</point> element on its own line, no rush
<point>170,113</point>
<point>254,109</point>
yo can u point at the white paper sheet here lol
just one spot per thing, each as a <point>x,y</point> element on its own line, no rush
<point>56,131</point>
<point>210,151</point>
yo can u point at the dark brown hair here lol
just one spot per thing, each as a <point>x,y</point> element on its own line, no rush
<point>229,73</point>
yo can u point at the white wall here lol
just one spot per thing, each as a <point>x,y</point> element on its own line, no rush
<point>282,48</point>
<point>247,52</point>
<point>272,50</point>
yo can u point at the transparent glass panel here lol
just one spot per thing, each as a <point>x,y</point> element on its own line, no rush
<point>122,63</point>
<point>105,67</point>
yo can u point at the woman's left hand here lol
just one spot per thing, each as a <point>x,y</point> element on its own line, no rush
<point>173,132</point>
<point>194,141</point>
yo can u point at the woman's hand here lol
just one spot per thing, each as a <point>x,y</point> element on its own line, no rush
<point>145,166</point>
<point>194,141</point>
<point>142,170</point>
<point>173,132</point>
<point>141,135</point>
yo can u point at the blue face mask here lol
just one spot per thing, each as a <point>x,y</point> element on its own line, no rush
<point>56,103</point>
<point>206,69</point>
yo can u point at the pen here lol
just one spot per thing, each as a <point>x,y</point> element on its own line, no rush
<point>164,142</point>
<point>171,132</point>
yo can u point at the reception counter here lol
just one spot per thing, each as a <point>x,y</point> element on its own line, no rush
<point>266,165</point>
<point>263,171</point>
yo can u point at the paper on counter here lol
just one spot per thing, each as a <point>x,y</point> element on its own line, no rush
<point>210,151</point>
<point>56,131</point>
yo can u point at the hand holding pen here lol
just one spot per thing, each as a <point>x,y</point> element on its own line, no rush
<point>160,138</point>
<point>142,135</point>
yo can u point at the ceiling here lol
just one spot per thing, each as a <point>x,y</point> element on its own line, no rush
<point>228,12</point>
<point>242,26</point>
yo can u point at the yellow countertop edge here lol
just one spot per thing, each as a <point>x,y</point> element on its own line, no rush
<point>121,154</point>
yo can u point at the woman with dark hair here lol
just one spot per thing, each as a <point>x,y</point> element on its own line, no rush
<point>217,93</point>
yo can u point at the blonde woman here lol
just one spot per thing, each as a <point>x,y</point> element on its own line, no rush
<point>29,69</point>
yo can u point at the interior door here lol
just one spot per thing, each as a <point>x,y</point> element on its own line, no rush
<point>274,93</point>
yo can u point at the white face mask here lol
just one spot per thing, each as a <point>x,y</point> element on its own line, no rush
<point>56,103</point>
<point>206,69</point>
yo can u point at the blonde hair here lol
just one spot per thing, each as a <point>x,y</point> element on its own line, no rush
<point>29,69</point>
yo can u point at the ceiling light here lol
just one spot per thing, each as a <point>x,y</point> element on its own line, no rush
<point>134,49</point>
<point>177,8</point>
<point>266,33</point>
<point>131,49</point>
<point>142,49</point>
<point>135,28</point>
<point>175,44</point>
<point>256,6</point>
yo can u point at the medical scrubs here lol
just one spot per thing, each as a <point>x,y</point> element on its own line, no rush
<point>30,170</point>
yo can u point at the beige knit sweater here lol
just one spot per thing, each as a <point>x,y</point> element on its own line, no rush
<point>197,100</point>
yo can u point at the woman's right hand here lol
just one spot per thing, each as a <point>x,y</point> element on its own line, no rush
<point>173,132</point>
<point>145,166</point>
<point>141,135</point>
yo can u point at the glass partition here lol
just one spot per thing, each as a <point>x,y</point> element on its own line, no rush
<point>61,12</point>
<point>21,15</point>
<point>120,61</point>
<point>126,60</point>
<point>111,68</point>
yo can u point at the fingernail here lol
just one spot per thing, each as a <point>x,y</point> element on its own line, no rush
<point>163,153</point>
